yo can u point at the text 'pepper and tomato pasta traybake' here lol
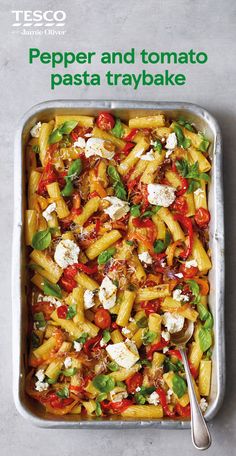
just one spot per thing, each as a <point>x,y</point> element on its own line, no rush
<point>117,232</point>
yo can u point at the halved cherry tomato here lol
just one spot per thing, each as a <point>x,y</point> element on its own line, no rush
<point>67,283</point>
<point>188,272</point>
<point>183,411</point>
<point>180,205</point>
<point>92,344</point>
<point>202,217</point>
<point>134,382</point>
<point>62,312</point>
<point>102,319</point>
<point>45,307</point>
<point>57,402</point>
<point>116,407</point>
<point>105,121</point>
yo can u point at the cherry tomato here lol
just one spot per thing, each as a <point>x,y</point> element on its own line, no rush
<point>45,307</point>
<point>183,411</point>
<point>202,217</point>
<point>57,402</point>
<point>180,205</point>
<point>188,272</point>
<point>62,312</point>
<point>68,284</point>
<point>102,319</point>
<point>134,382</point>
<point>105,121</point>
<point>116,407</point>
<point>150,306</point>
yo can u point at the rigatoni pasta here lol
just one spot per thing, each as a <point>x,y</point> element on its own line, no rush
<point>116,229</point>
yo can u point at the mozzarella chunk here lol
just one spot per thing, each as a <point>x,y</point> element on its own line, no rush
<point>168,153</point>
<point>168,395</point>
<point>81,143</point>
<point>95,146</point>
<point>179,275</point>
<point>139,153</point>
<point>68,362</point>
<point>149,156</point>
<point>153,398</point>
<point>117,209</point>
<point>41,386</point>
<point>165,335</point>
<point>88,299</point>
<point>171,141</point>
<point>36,130</point>
<point>173,322</point>
<point>77,346</point>
<point>119,396</point>
<point>66,253</point>
<point>161,195</point>
<point>125,331</point>
<point>191,263</point>
<point>178,296</point>
<point>145,257</point>
<point>50,299</point>
<point>107,293</point>
<point>47,213</point>
<point>122,354</point>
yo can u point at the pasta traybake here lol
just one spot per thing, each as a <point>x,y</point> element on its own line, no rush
<point>117,234</point>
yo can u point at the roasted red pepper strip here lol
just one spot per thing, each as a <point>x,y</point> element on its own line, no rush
<point>143,223</point>
<point>183,411</point>
<point>48,177</point>
<point>187,224</point>
<point>150,306</point>
<point>175,353</point>
<point>92,344</point>
<point>127,148</point>
<point>131,134</point>
<point>86,269</point>
<point>155,347</point>
<point>163,401</point>
<point>116,407</point>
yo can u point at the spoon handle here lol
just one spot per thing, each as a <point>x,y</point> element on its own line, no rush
<point>200,434</point>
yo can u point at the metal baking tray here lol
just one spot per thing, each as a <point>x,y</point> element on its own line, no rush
<point>204,121</point>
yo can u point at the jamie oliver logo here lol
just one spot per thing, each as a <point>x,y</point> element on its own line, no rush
<point>39,22</point>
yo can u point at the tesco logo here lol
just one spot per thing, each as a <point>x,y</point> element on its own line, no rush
<point>39,18</point>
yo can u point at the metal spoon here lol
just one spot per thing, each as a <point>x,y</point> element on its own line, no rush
<point>200,434</point>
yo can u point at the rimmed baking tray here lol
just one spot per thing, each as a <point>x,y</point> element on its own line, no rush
<point>204,122</point>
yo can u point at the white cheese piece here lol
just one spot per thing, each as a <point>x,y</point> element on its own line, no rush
<point>149,156</point>
<point>173,322</point>
<point>68,362</point>
<point>171,141</point>
<point>153,398</point>
<point>178,296</point>
<point>139,153</point>
<point>138,389</point>
<point>168,395</point>
<point>161,195</point>
<point>168,153</point>
<point>77,346</point>
<point>145,257</point>
<point>88,299</point>
<point>41,386</point>
<point>117,209</point>
<point>40,375</point>
<point>107,293</point>
<point>119,396</point>
<point>102,343</point>
<point>122,354</point>
<point>165,335</point>
<point>47,213</point>
<point>66,253</point>
<point>36,130</point>
<point>199,192</point>
<point>179,275</point>
<point>50,299</point>
<point>203,404</point>
<point>81,143</point>
<point>132,320</point>
<point>191,263</point>
<point>165,350</point>
<point>88,135</point>
<point>125,331</point>
<point>95,146</point>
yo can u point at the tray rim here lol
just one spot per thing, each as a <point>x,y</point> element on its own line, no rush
<point>16,258</point>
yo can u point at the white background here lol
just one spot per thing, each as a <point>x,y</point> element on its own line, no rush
<point>119,25</point>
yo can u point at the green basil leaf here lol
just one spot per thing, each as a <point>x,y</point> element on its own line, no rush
<point>159,246</point>
<point>75,169</point>
<point>104,383</point>
<point>35,340</point>
<point>174,367</point>
<point>69,372</point>
<point>157,146</point>
<point>135,210</point>
<point>205,339</point>
<point>36,149</point>
<point>118,130</point>
<point>51,381</point>
<point>120,384</point>
<point>55,136</point>
<point>142,323</point>
<point>193,185</point>
<point>181,139</point>
<point>106,255</point>
<point>179,385</point>
<point>205,177</point>
<point>98,410</point>
<point>188,126</point>
<point>106,336</point>
<point>130,242</point>
<point>63,393</point>
<point>67,127</point>
<point>52,289</point>
<point>35,267</point>
<point>101,397</point>
<point>146,390</point>
<point>182,167</point>
<point>41,240</point>
<point>82,339</point>
<point>113,173</point>
<point>145,362</point>
<point>113,366</point>
<point>208,354</point>
<point>156,209</point>
<point>209,321</point>
<point>204,144</point>
<point>140,398</point>
<point>120,191</point>
<point>71,312</point>
<point>194,287</point>
<point>68,189</point>
<point>149,337</point>
<point>39,320</point>
<point>203,312</point>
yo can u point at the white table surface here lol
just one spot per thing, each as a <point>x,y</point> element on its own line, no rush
<point>119,25</point>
